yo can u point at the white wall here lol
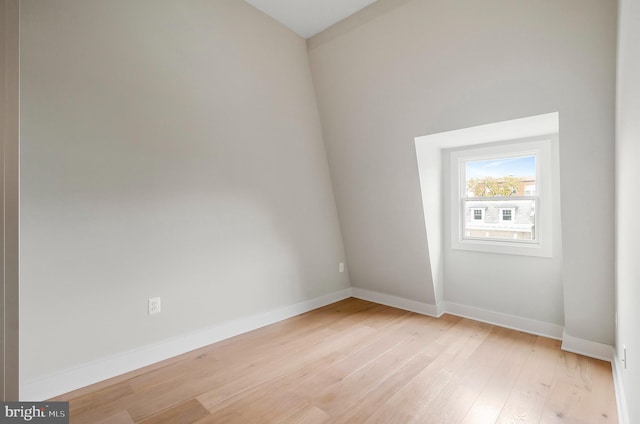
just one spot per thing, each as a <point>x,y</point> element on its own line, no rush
<point>407,68</point>
<point>169,149</point>
<point>627,205</point>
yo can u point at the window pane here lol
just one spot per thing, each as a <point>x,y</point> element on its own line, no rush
<point>501,219</point>
<point>501,177</point>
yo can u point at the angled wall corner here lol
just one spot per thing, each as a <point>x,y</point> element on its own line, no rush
<point>429,158</point>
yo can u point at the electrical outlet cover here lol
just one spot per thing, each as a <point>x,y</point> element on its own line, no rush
<point>155,305</point>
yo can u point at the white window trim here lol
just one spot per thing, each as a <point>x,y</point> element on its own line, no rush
<point>541,147</point>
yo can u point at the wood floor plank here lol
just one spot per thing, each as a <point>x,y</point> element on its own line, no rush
<point>308,414</point>
<point>371,402</point>
<point>327,357</point>
<point>184,413</point>
<point>493,395</point>
<point>573,396</point>
<point>259,406</point>
<point>603,399</point>
<point>359,362</point>
<point>104,395</point>
<point>121,417</point>
<point>280,368</point>
<point>354,386</point>
<point>412,400</point>
<point>526,401</point>
<point>493,366</point>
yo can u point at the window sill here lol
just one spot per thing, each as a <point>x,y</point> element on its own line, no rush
<point>521,248</point>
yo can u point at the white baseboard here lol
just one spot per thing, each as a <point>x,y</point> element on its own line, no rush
<point>102,369</point>
<point>395,302</point>
<point>500,319</point>
<point>621,399</point>
<point>587,347</point>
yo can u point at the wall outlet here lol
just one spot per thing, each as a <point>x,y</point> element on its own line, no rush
<point>341,267</point>
<point>155,306</point>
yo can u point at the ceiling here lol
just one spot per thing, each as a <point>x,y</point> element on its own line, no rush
<point>309,17</point>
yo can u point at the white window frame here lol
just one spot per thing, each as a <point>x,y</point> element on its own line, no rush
<point>540,147</point>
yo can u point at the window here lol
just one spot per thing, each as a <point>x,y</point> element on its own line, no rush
<point>506,215</point>
<point>497,193</point>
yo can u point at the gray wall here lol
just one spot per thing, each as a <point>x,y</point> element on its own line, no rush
<point>406,68</point>
<point>9,200</point>
<point>627,204</point>
<point>169,149</point>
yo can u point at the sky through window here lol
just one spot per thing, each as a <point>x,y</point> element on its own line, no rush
<point>521,166</point>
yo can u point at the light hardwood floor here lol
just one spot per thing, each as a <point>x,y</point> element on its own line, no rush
<point>359,362</point>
